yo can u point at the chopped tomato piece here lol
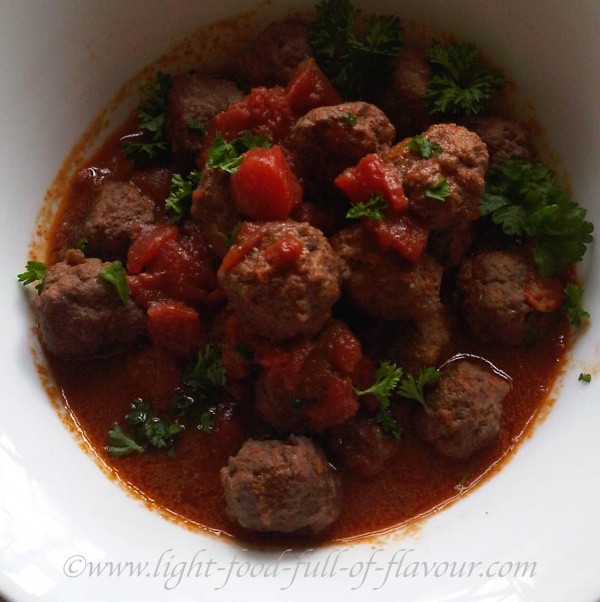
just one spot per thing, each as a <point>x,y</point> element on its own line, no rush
<point>404,234</point>
<point>175,326</point>
<point>309,88</point>
<point>183,269</point>
<point>373,176</point>
<point>283,367</point>
<point>342,349</point>
<point>147,245</point>
<point>284,252</point>
<point>264,187</point>
<point>544,294</point>
<point>262,111</point>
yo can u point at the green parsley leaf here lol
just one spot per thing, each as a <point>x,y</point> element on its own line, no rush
<point>228,155</point>
<point>197,126</point>
<point>439,191</point>
<point>116,275</point>
<point>82,244</point>
<point>151,121</point>
<point>229,237</point>
<point>414,389</point>
<point>179,201</point>
<point>460,85</point>
<point>572,305</point>
<point>586,378</point>
<point>119,444</point>
<point>424,147</point>
<point>525,200</point>
<point>35,271</point>
<point>150,430</point>
<point>355,65</point>
<point>207,423</point>
<point>208,371</point>
<point>350,118</point>
<point>374,209</point>
<point>387,378</point>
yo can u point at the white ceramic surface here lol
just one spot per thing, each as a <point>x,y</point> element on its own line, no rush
<point>61,62</point>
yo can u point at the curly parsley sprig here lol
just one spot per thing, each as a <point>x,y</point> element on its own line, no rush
<point>228,156</point>
<point>35,271</point>
<point>179,201</point>
<point>460,85</point>
<point>151,121</point>
<point>355,65</point>
<point>191,404</point>
<point>524,199</point>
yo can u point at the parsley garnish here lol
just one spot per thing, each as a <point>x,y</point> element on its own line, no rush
<point>179,201</point>
<point>151,120</point>
<point>115,274</point>
<point>149,432</point>
<point>35,271</point>
<point>524,198</point>
<point>414,389</point>
<point>460,84</point>
<point>82,244</point>
<point>119,444</point>
<point>197,126</point>
<point>424,147</point>
<point>438,191</point>
<point>572,305</point>
<point>387,378</point>
<point>229,237</point>
<point>350,118</point>
<point>228,155</point>
<point>373,209</point>
<point>586,378</point>
<point>355,66</point>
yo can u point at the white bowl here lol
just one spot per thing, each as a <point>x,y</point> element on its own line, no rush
<point>61,62</point>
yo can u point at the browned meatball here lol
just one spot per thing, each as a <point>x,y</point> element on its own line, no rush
<point>281,486</point>
<point>361,445</point>
<point>384,285</point>
<point>417,345</point>
<point>404,101</point>
<point>503,137</point>
<point>331,139</point>
<point>306,387</point>
<point>462,163</point>
<point>282,279</point>
<point>275,54</point>
<point>117,215</point>
<point>194,100</point>
<point>81,315</point>
<point>465,410</point>
<point>504,301</point>
<point>214,208</point>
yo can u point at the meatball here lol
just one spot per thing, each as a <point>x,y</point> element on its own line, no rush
<point>282,279</point>
<point>306,387</point>
<point>281,486</point>
<point>404,101</point>
<point>504,301</point>
<point>275,54</point>
<point>381,283</point>
<point>461,163</point>
<point>464,410</point>
<point>503,137</point>
<point>117,215</point>
<point>214,208</point>
<point>81,315</point>
<point>417,345</point>
<point>361,445</point>
<point>194,100</point>
<point>331,139</point>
